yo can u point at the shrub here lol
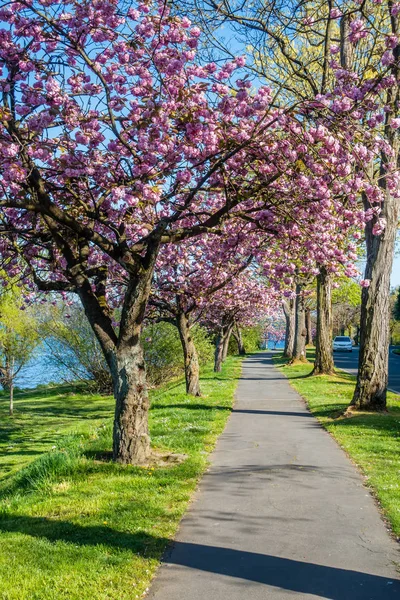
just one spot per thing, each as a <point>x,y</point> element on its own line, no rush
<point>163,351</point>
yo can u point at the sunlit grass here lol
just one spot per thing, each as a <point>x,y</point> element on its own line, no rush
<point>372,440</point>
<point>76,527</point>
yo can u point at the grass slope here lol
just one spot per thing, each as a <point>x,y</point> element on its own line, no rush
<point>371,440</point>
<point>75,527</point>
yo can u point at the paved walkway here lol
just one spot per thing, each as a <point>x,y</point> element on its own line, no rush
<point>282,513</point>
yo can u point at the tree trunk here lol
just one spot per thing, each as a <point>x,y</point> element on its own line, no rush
<point>323,364</point>
<point>131,441</point>
<point>357,336</point>
<point>219,347</point>
<point>290,316</point>
<point>11,399</point>
<point>227,337</point>
<point>299,351</point>
<point>190,356</point>
<point>238,337</point>
<point>309,339</point>
<point>346,46</point>
<point>124,356</point>
<point>372,379</point>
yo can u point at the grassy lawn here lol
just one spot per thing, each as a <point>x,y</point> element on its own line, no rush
<point>371,440</point>
<point>74,526</point>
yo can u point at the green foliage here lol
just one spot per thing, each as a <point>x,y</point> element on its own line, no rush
<point>371,440</point>
<point>72,346</point>
<point>251,337</point>
<point>346,300</point>
<point>348,292</point>
<point>104,525</point>
<point>18,335</point>
<point>74,349</point>
<point>163,350</point>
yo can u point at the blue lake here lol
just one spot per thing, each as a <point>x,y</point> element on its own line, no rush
<point>38,371</point>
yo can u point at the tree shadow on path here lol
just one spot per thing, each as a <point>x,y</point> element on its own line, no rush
<point>292,575</point>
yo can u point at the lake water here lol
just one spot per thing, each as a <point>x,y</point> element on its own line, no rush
<point>40,371</point>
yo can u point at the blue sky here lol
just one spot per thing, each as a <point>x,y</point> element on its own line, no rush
<point>395,280</point>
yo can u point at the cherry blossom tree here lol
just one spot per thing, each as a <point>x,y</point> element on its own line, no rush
<point>300,46</point>
<point>187,275</point>
<point>244,302</point>
<point>114,142</point>
<point>276,331</point>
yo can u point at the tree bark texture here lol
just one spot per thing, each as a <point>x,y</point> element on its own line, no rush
<point>299,351</point>
<point>346,46</point>
<point>124,355</point>
<point>219,347</point>
<point>237,333</point>
<point>324,364</point>
<point>309,339</point>
<point>290,317</point>
<point>372,379</point>
<point>11,411</point>
<point>227,337</point>
<point>192,371</point>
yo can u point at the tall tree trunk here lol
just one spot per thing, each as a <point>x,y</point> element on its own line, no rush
<point>192,371</point>
<point>372,379</point>
<point>227,337</point>
<point>309,339</point>
<point>237,333</point>
<point>219,348</point>
<point>357,336</point>
<point>124,356</point>
<point>299,351</point>
<point>290,317</point>
<point>346,46</point>
<point>324,364</point>
<point>131,441</point>
<point>11,399</point>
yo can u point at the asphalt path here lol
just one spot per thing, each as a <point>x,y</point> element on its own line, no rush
<point>282,513</point>
<point>348,361</point>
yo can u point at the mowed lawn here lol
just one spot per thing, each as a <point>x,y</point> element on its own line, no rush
<point>75,526</point>
<point>371,440</point>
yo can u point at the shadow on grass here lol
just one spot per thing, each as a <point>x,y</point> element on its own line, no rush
<point>292,575</point>
<point>385,422</point>
<point>104,456</point>
<point>189,406</point>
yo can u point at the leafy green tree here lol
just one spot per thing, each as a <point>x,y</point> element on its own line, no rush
<point>18,339</point>
<point>72,347</point>
<point>346,301</point>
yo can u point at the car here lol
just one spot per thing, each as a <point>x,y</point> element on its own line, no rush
<point>342,342</point>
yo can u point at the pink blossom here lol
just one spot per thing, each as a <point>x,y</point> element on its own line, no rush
<point>387,58</point>
<point>379,227</point>
<point>365,283</point>
<point>395,9</point>
<point>358,30</point>
<point>335,13</point>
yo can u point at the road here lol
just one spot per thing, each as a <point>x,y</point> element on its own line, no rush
<point>348,361</point>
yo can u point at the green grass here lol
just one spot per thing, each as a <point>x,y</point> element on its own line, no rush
<point>371,440</point>
<point>75,526</point>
